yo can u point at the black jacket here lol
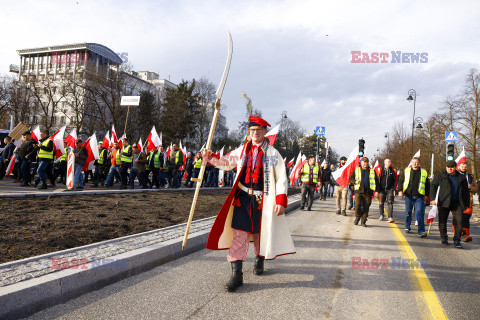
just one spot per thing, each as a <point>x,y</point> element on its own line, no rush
<point>326,174</point>
<point>387,181</point>
<point>27,149</point>
<point>189,164</point>
<point>444,196</point>
<point>81,155</point>
<point>8,152</point>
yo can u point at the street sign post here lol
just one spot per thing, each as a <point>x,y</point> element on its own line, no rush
<point>129,101</point>
<point>320,131</point>
<point>451,136</point>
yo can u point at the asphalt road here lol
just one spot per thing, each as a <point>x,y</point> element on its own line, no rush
<point>320,281</point>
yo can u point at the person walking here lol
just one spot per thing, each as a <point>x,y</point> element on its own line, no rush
<point>472,189</point>
<point>326,174</point>
<point>126,158</point>
<point>176,161</point>
<point>415,185</point>
<point>365,184</point>
<point>310,179</point>
<point>81,155</point>
<point>27,153</point>
<point>341,193</point>
<point>387,178</point>
<point>454,197</point>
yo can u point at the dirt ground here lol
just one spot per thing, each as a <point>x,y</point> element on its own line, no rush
<point>34,226</point>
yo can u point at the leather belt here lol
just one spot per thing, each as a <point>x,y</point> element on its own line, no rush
<point>250,191</point>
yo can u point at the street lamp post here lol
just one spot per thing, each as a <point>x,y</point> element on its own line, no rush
<point>412,95</point>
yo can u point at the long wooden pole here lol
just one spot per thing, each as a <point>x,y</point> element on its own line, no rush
<point>199,179</point>
<point>126,120</point>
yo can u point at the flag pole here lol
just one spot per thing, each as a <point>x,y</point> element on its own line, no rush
<point>429,226</point>
<point>199,179</point>
<point>126,120</point>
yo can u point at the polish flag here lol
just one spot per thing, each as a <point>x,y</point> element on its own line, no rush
<point>168,150</point>
<point>272,135</point>
<point>57,138</point>
<point>433,212</point>
<point>11,165</point>
<point>203,147</point>
<point>417,155</point>
<point>140,145</point>
<point>290,163</point>
<point>120,143</point>
<point>153,139</point>
<point>342,174</point>
<point>184,151</point>
<point>301,159</point>
<point>71,138</point>
<point>92,147</point>
<point>106,140</point>
<point>461,158</point>
<point>113,136</point>
<point>36,133</point>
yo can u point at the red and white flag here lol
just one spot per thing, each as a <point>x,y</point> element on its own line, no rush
<point>71,138</point>
<point>417,155</point>
<point>153,139</point>
<point>461,158</point>
<point>272,135</point>
<point>168,150</point>
<point>57,138</point>
<point>301,159</point>
<point>92,147</point>
<point>290,163</point>
<point>70,168</point>
<point>140,145</point>
<point>106,140</point>
<point>113,136</point>
<point>120,141</point>
<point>184,151</point>
<point>342,174</point>
<point>36,133</point>
<point>433,212</point>
<point>376,166</point>
<point>11,165</point>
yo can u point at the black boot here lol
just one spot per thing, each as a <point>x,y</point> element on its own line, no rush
<point>258,266</point>
<point>43,186</point>
<point>356,221</point>
<point>236,280</point>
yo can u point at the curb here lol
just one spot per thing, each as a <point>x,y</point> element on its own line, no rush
<point>27,297</point>
<point>63,192</point>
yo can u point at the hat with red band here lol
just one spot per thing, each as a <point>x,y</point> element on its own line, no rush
<point>257,121</point>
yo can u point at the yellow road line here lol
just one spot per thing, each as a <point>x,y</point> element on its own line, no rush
<point>424,293</point>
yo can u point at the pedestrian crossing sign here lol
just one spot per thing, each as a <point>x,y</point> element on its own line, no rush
<point>320,131</point>
<point>451,136</point>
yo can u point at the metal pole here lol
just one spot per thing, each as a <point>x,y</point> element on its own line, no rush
<point>413,124</point>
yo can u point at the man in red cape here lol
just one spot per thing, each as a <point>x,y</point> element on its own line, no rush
<point>255,207</point>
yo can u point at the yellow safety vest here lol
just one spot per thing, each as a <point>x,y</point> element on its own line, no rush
<point>156,160</point>
<point>118,160</point>
<point>421,184</point>
<point>198,163</point>
<point>358,178</point>
<point>42,154</point>
<point>177,156</point>
<point>102,156</point>
<point>125,158</point>
<point>63,157</point>
<point>306,173</point>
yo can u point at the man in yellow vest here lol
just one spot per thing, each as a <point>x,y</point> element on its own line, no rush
<point>100,164</point>
<point>309,175</point>
<point>415,186</point>
<point>45,158</point>
<point>126,156</point>
<point>365,184</point>
<point>116,162</point>
<point>176,161</point>
<point>197,164</point>
<point>61,166</point>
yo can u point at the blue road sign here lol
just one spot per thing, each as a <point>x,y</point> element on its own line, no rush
<point>320,131</point>
<point>451,136</point>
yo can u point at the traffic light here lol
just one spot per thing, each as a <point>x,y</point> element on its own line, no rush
<point>361,147</point>
<point>450,151</point>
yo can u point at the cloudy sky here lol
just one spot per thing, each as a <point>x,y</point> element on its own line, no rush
<point>292,56</point>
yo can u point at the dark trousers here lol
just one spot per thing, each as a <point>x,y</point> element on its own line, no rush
<point>189,177</point>
<point>155,177</point>
<point>145,175</point>
<point>466,220</point>
<point>457,213</point>
<point>134,174</point>
<point>386,196</point>
<point>173,169</point>
<point>124,173</point>
<point>98,174</point>
<point>362,205</point>
<point>310,190</point>
<point>3,168</point>
<point>324,189</point>
<point>25,168</point>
